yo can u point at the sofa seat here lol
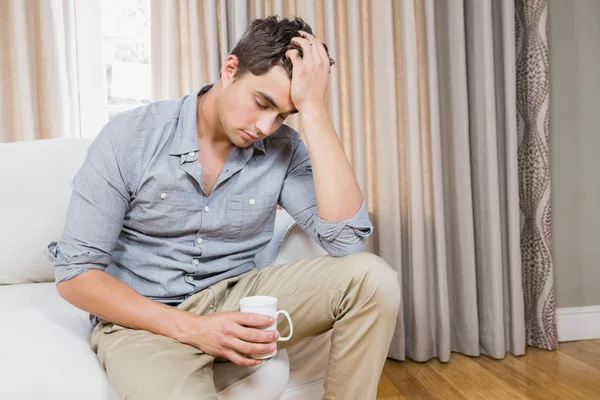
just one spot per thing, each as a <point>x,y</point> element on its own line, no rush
<point>45,354</point>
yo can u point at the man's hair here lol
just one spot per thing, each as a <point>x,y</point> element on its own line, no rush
<point>264,43</point>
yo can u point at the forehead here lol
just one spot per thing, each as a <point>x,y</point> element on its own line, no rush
<point>274,83</point>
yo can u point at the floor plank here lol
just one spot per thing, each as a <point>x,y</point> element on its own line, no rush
<point>572,372</point>
<point>405,384</point>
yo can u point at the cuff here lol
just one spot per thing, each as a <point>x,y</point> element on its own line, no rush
<point>68,267</point>
<point>360,224</point>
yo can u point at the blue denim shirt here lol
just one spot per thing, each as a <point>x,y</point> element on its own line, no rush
<point>138,210</point>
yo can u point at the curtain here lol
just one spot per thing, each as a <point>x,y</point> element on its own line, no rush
<point>37,70</point>
<point>533,98</point>
<point>423,96</point>
<point>456,139</point>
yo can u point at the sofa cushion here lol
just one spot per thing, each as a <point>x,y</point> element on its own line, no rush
<point>45,347</point>
<point>265,382</point>
<point>308,363</point>
<point>36,187</point>
<point>45,354</point>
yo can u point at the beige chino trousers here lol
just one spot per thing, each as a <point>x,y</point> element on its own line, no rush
<point>356,296</point>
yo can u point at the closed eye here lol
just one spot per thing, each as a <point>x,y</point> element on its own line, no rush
<point>260,105</point>
<point>281,117</point>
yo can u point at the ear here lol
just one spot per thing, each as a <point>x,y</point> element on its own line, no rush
<point>229,68</point>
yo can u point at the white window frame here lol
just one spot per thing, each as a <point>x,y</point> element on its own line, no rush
<point>93,105</point>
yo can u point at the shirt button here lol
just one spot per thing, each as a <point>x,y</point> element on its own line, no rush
<point>190,278</point>
<point>199,240</point>
<point>206,209</point>
<point>252,202</point>
<point>191,154</point>
<point>163,196</point>
<point>196,261</point>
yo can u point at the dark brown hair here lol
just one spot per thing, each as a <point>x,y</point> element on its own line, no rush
<point>264,43</point>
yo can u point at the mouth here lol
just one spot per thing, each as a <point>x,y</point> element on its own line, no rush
<point>249,136</point>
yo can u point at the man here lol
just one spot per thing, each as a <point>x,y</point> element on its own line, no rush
<point>174,200</point>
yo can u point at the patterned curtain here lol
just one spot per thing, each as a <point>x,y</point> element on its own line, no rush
<point>533,97</point>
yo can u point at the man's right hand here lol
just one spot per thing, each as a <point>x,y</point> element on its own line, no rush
<point>231,335</point>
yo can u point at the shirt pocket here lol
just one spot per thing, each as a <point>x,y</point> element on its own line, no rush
<point>249,215</point>
<point>159,212</point>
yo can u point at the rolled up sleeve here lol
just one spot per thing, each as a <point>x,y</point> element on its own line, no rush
<point>101,191</point>
<point>298,198</point>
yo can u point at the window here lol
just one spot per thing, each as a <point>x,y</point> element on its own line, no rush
<point>126,45</point>
<point>113,53</point>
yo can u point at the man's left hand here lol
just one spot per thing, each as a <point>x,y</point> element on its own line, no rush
<point>310,74</point>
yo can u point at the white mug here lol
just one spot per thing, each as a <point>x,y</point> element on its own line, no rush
<point>266,305</point>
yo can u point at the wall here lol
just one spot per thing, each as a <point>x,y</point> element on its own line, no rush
<point>574,35</point>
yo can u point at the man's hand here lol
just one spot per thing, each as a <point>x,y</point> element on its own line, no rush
<point>310,72</point>
<point>231,335</point>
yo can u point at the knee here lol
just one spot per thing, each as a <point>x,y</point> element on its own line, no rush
<point>378,279</point>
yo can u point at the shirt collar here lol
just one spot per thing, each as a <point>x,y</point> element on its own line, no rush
<point>186,138</point>
<point>260,145</point>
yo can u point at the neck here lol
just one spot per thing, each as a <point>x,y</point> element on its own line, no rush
<point>208,126</point>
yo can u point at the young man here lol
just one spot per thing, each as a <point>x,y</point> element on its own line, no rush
<point>175,199</point>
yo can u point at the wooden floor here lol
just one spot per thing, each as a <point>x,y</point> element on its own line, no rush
<point>572,372</point>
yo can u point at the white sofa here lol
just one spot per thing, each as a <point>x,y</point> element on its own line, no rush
<point>44,341</point>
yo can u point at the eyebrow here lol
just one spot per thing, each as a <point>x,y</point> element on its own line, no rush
<point>272,102</point>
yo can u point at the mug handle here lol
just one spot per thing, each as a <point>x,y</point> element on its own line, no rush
<point>288,337</point>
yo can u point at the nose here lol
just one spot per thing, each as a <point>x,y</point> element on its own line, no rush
<point>265,124</point>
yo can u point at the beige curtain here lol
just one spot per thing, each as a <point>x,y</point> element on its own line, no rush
<point>423,97</point>
<point>37,70</point>
<point>454,133</point>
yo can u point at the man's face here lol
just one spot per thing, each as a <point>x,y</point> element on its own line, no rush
<point>253,107</point>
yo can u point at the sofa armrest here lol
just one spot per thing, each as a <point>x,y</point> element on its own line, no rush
<point>297,245</point>
<point>289,243</point>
